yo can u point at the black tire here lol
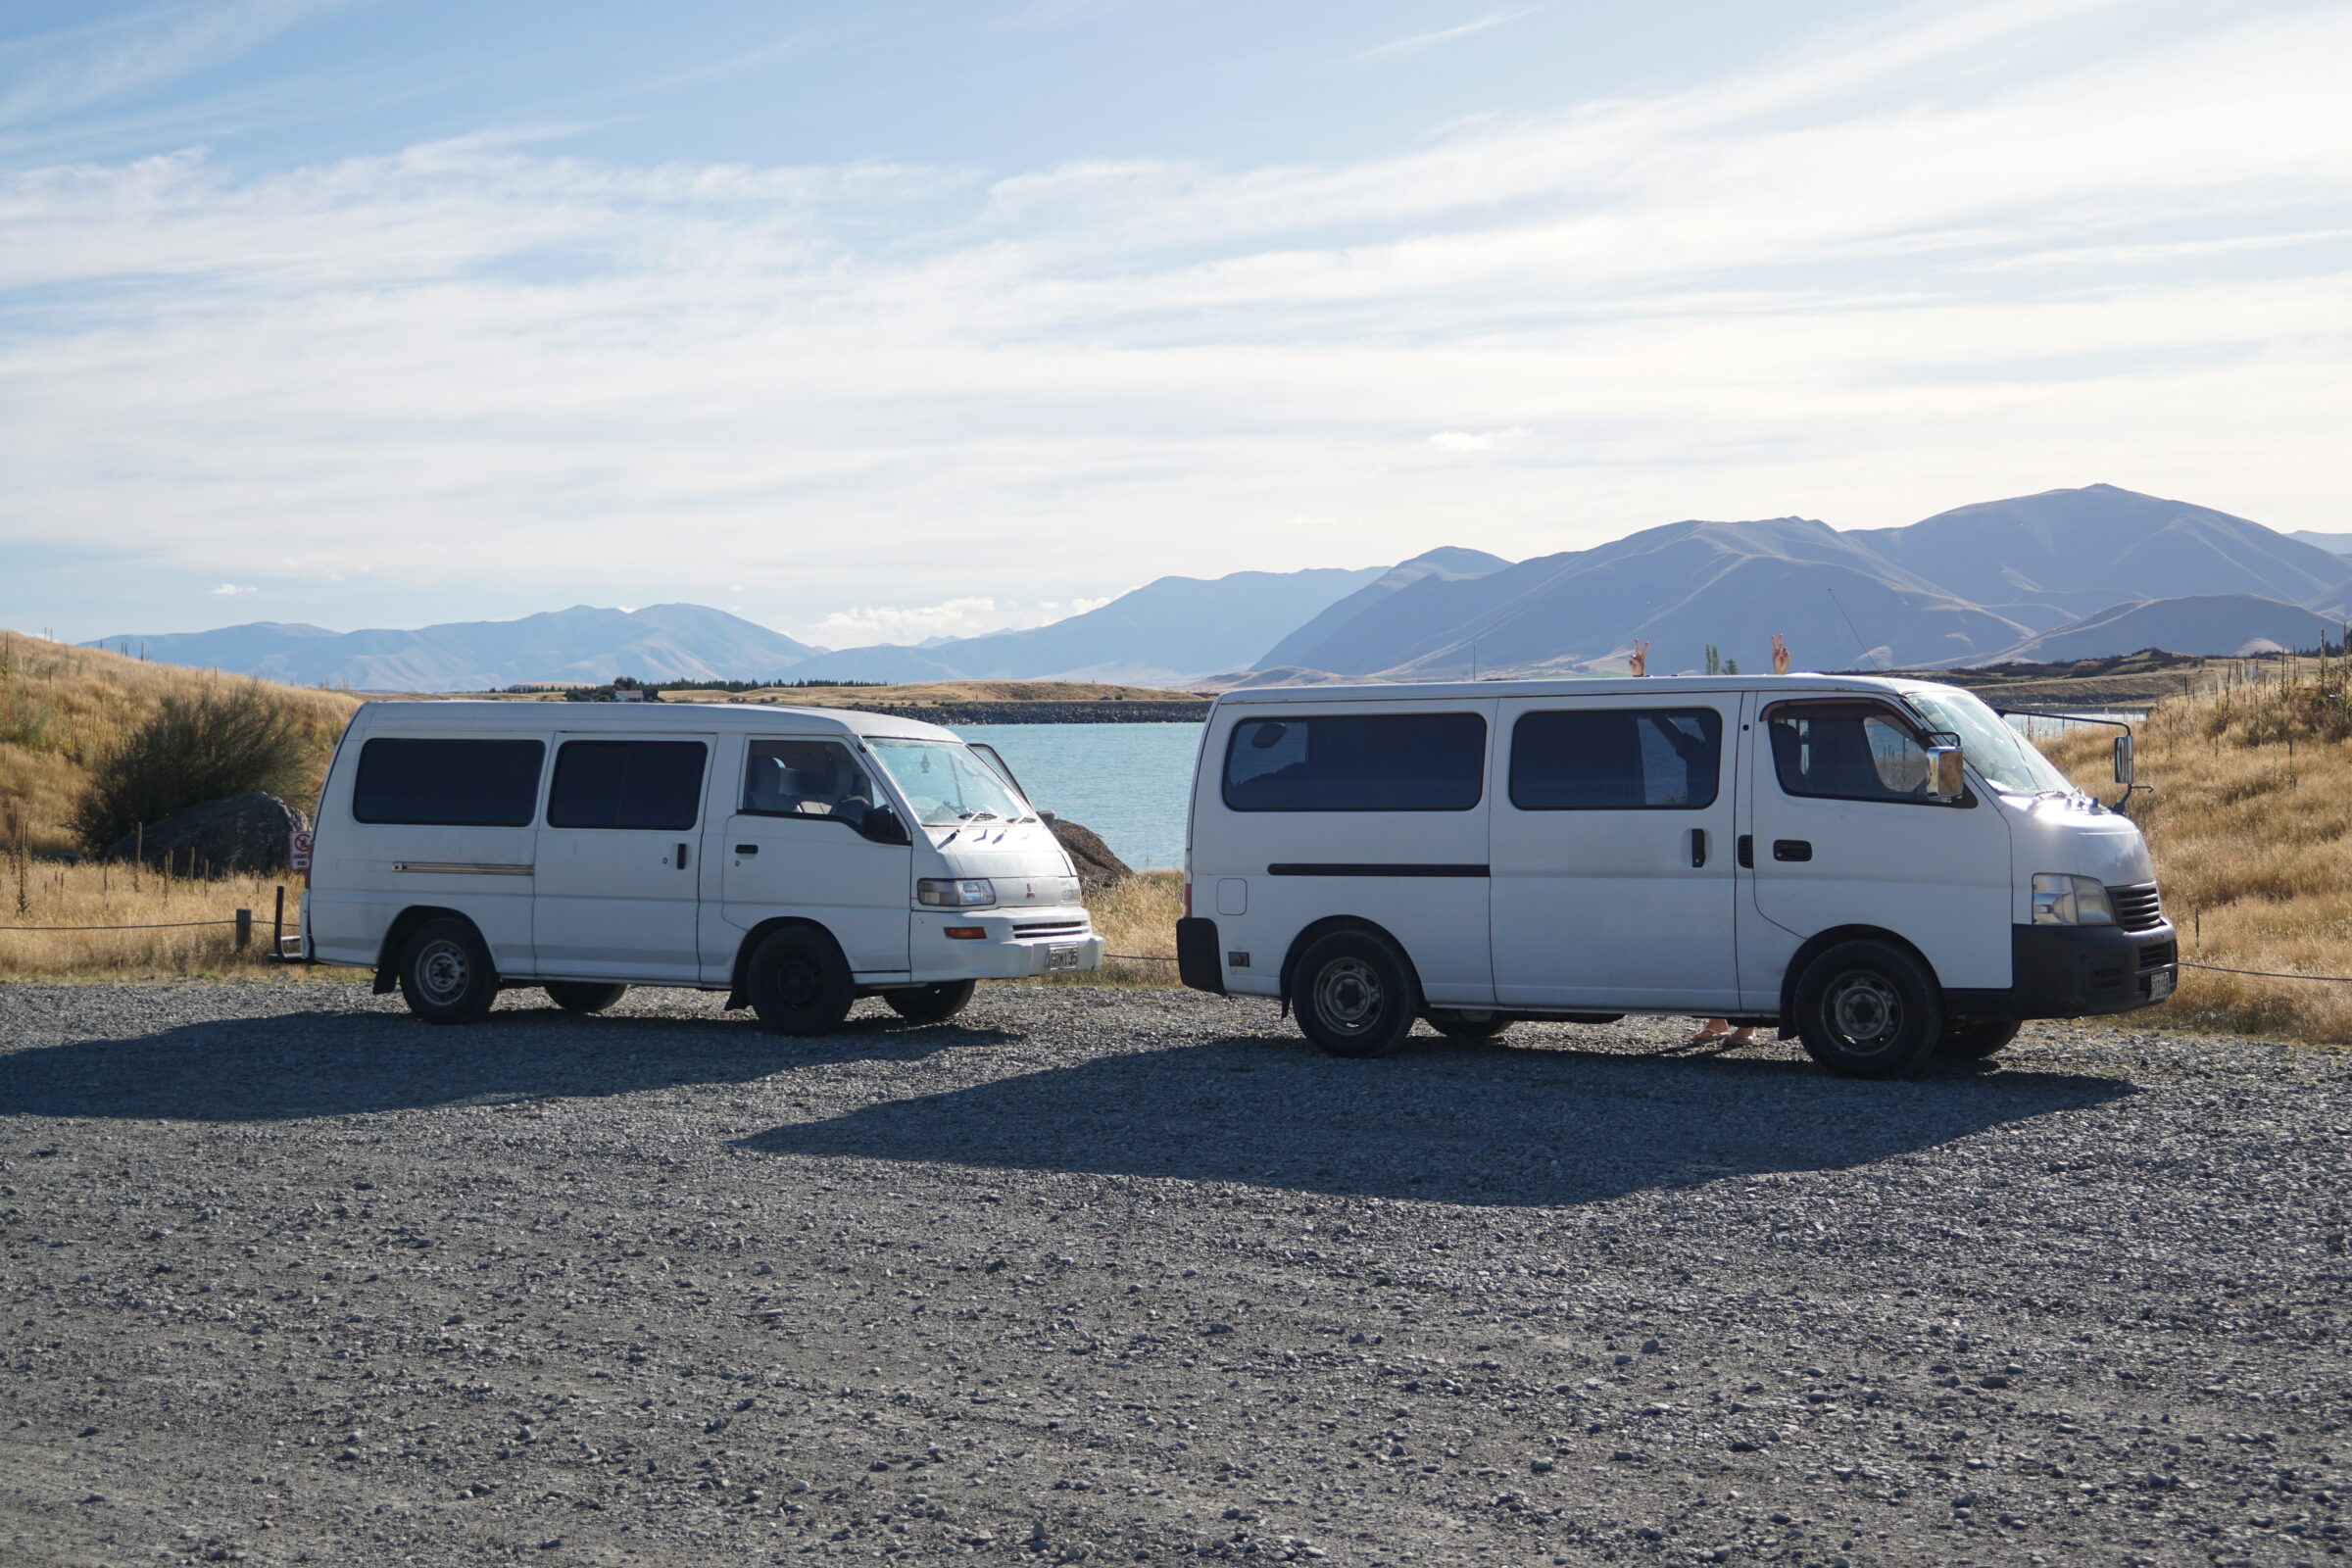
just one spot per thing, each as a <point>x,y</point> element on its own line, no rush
<point>1354,994</point>
<point>1973,1042</point>
<point>446,975</point>
<point>582,996</point>
<point>800,983</point>
<point>1868,1009</point>
<point>1454,1026</point>
<point>932,1004</point>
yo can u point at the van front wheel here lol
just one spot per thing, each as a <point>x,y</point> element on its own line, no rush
<point>932,1004</point>
<point>446,975</point>
<point>1868,1009</point>
<point>1356,994</point>
<point>800,984</point>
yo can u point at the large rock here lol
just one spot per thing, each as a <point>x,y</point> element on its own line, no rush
<point>242,833</point>
<point>1097,867</point>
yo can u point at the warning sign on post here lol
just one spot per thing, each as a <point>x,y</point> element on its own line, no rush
<point>298,851</point>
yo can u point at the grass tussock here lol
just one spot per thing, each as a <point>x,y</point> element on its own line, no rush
<point>2250,822</point>
<point>65,712</point>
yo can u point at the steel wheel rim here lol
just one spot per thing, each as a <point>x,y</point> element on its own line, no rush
<point>796,983</point>
<point>1348,996</point>
<point>1864,1012</point>
<point>443,970</point>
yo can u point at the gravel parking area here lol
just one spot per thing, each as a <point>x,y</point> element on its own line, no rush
<point>1138,1276</point>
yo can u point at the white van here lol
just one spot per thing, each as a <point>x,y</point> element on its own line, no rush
<point>796,858</point>
<point>1881,867</point>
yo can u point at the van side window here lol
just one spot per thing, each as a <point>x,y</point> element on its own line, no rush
<point>805,779</point>
<point>447,783</point>
<point>628,784</point>
<point>1358,762</point>
<point>1846,751</point>
<point>1616,760</point>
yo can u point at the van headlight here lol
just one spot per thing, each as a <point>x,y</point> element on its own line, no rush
<point>951,893</point>
<point>2062,899</point>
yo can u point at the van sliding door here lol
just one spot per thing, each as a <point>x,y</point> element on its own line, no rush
<point>1613,854</point>
<point>618,864</point>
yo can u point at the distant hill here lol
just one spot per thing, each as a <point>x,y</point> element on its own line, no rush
<point>2198,623</point>
<point>1680,588</point>
<point>1448,562</point>
<point>2048,559</point>
<point>660,641</point>
<point>1166,631</point>
<point>2335,544</point>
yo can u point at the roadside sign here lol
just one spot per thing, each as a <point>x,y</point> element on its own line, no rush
<point>298,851</point>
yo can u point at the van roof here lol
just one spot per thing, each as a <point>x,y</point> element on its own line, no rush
<point>1622,686</point>
<point>767,718</point>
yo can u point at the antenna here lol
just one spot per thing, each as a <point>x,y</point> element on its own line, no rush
<point>1849,623</point>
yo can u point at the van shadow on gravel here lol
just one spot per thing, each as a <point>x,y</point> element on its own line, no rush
<point>1479,1125</point>
<point>338,1064</point>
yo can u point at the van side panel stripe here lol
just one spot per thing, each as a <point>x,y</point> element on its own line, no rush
<point>1372,868</point>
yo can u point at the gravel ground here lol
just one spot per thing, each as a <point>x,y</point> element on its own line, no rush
<point>1137,1276</point>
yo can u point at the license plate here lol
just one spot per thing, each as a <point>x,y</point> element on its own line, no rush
<point>2160,984</point>
<point>1065,957</point>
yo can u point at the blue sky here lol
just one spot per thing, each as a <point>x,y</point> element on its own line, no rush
<point>891,320</point>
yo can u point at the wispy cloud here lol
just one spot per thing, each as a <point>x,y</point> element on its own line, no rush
<point>897,388</point>
<point>230,590</point>
<point>73,68</point>
<point>1422,41</point>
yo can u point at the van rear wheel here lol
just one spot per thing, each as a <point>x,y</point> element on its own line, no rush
<point>1973,1042</point>
<point>446,975</point>
<point>582,998</point>
<point>799,982</point>
<point>1455,1025</point>
<point>1868,1009</point>
<point>1355,995</point>
<point>932,1004</point>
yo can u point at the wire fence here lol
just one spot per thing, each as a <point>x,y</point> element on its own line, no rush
<point>168,925</point>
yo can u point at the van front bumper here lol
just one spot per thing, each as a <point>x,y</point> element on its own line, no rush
<point>1017,944</point>
<point>2066,971</point>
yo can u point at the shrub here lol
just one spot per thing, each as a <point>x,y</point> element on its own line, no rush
<point>193,748</point>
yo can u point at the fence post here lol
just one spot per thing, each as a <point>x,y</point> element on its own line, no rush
<point>244,929</point>
<point>277,925</point>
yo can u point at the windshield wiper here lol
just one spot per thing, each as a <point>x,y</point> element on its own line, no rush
<point>977,817</point>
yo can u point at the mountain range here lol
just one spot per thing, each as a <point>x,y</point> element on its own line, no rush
<point>2066,573</point>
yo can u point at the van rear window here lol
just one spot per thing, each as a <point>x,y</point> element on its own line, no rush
<point>1358,762</point>
<point>1616,760</point>
<point>628,784</point>
<point>447,783</point>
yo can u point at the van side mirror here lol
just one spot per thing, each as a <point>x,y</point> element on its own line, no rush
<point>1947,781</point>
<point>883,827</point>
<point>2123,763</point>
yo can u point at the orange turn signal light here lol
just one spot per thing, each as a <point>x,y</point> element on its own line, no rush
<point>967,933</point>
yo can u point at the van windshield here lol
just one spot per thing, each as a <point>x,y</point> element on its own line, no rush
<point>944,783</point>
<point>2006,759</point>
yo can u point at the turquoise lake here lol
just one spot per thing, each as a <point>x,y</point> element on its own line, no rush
<point>1128,782</point>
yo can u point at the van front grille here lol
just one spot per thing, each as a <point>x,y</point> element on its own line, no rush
<point>2135,908</point>
<point>1051,929</point>
<point>2158,956</point>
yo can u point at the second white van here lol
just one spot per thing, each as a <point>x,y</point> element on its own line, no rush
<point>796,858</point>
<point>1881,867</point>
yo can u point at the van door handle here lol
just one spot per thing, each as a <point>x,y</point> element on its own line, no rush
<point>1791,849</point>
<point>1698,847</point>
<point>1747,852</point>
<point>681,857</point>
<point>747,848</point>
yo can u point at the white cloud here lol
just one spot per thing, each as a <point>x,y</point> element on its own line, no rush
<point>974,616</point>
<point>1477,440</point>
<point>1916,267</point>
<point>1422,41</point>
<point>228,589</point>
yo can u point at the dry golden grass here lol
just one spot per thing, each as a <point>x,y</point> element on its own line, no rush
<point>1137,919</point>
<point>62,708</point>
<point>2250,822</point>
<point>37,894</point>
